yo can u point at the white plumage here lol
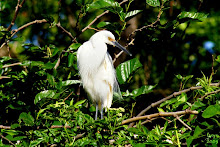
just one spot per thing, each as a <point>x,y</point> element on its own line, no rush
<point>96,69</point>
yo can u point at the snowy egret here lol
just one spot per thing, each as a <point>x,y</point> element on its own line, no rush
<point>97,71</point>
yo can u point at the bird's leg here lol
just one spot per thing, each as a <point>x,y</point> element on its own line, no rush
<point>96,113</point>
<point>101,111</point>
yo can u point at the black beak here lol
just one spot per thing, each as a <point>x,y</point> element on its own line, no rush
<point>121,47</point>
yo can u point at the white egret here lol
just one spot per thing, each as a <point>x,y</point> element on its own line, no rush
<point>97,71</point>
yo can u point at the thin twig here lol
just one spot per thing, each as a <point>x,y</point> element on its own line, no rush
<point>120,53</point>
<point>65,31</point>
<point>28,24</point>
<point>159,115</point>
<point>171,96</point>
<point>207,94</point>
<point>97,17</point>
<point>60,126</point>
<point>174,95</point>
<point>17,8</point>
<point>147,121</point>
<point>180,120</point>
<point>150,25</point>
<point>14,64</point>
<point>7,139</point>
<point>22,27</point>
<point>68,96</point>
<point>78,136</point>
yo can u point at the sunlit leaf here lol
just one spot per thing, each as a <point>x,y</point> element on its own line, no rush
<point>35,143</point>
<point>193,15</point>
<point>69,82</point>
<point>103,24</point>
<point>132,13</point>
<point>77,104</point>
<point>74,46</point>
<point>126,69</point>
<point>44,94</point>
<point>137,92</point>
<point>110,5</point>
<point>153,3</point>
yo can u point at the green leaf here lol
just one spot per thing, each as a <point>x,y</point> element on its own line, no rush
<point>126,69</point>
<point>77,104</point>
<point>197,105</point>
<point>74,46</point>
<point>168,102</point>
<point>193,15</point>
<point>132,13</point>
<point>103,24</point>
<point>70,82</point>
<point>143,90</point>
<point>26,118</point>
<point>70,59</point>
<point>50,79</point>
<point>110,5</point>
<point>44,94</point>
<point>211,111</point>
<point>189,141</point>
<point>34,143</point>
<point>153,3</point>
<point>198,131</point>
<point>218,59</point>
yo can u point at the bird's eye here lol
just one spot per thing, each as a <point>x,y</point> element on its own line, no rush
<point>110,39</point>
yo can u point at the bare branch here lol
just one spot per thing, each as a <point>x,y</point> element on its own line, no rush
<point>120,53</point>
<point>60,126</point>
<point>5,127</point>
<point>14,64</point>
<point>207,94</point>
<point>28,24</point>
<point>159,115</point>
<point>180,120</point>
<point>150,25</point>
<point>65,31</point>
<point>171,96</point>
<point>78,136</point>
<point>7,139</point>
<point>17,8</point>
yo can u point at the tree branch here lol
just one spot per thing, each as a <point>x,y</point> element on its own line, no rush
<point>14,64</point>
<point>28,24</point>
<point>171,96</point>
<point>17,8</point>
<point>7,139</point>
<point>22,27</point>
<point>180,120</point>
<point>174,95</point>
<point>207,94</point>
<point>5,127</point>
<point>65,31</point>
<point>159,115</point>
<point>150,25</point>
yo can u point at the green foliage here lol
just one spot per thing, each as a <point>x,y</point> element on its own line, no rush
<point>41,102</point>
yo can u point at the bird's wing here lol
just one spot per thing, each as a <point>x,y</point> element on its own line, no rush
<point>116,88</point>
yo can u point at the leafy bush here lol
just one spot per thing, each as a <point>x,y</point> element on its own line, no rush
<point>42,103</point>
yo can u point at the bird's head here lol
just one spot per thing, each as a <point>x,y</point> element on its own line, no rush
<point>108,38</point>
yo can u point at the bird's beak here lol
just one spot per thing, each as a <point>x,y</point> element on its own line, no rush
<point>121,47</point>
